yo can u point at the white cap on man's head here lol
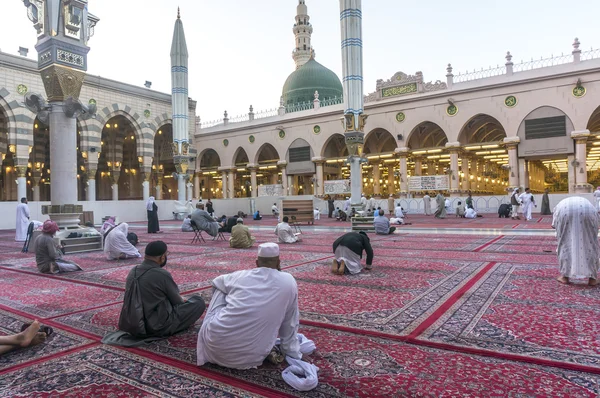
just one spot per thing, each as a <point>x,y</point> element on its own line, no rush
<point>268,250</point>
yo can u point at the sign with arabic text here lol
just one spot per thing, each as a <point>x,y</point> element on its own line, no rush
<point>428,183</point>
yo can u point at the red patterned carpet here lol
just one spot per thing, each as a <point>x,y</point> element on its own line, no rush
<point>439,315</point>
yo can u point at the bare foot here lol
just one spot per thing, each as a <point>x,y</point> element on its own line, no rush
<point>26,337</point>
<point>342,268</point>
<point>592,282</point>
<point>563,279</point>
<point>38,339</point>
<point>334,266</point>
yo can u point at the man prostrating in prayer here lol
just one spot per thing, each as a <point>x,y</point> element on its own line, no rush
<point>348,250</point>
<point>248,311</point>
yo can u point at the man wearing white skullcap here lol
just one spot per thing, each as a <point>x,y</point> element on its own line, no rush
<point>248,311</point>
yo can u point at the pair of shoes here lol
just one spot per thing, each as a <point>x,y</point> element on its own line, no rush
<point>43,329</point>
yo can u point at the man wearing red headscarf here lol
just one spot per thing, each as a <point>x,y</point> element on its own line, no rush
<point>48,256</point>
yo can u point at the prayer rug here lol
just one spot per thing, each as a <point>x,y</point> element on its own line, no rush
<point>523,310</point>
<point>46,296</point>
<point>106,371</point>
<point>360,366</point>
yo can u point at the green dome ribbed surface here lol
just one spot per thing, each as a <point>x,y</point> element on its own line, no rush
<point>301,85</point>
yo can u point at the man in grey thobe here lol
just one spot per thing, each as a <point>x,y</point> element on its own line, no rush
<point>165,311</point>
<point>204,221</point>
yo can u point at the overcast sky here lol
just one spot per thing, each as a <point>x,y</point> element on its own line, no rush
<point>240,50</point>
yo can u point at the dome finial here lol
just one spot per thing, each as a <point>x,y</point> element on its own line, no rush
<point>178,14</point>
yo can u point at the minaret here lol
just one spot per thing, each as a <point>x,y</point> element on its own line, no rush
<point>179,100</point>
<point>303,31</point>
<point>352,66</point>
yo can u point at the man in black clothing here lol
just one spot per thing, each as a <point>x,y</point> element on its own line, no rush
<point>348,250</point>
<point>231,222</point>
<point>165,311</point>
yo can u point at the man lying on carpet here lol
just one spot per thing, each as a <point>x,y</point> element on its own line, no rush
<point>31,335</point>
<point>248,310</point>
<point>348,250</point>
<point>48,255</point>
<point>576,223</point>
<point>116,245</point>
<point>162,311</point>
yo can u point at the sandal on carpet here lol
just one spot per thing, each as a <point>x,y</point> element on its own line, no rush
<point>43,329</point>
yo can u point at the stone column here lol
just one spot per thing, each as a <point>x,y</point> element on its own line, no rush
<point>197,185</point>
<point>253,180</point>
<point>319,189</point>
<point>523,174</point>
<point>224,183</point>
<point>376,177</point>
<point>391,180</point>
<point>21,172</point>
<point>114,176</point>
<point>418,168</point>
<point>403,156</point>
<point>159,184</point>
<point>35,181</point>
<point>90,192</point>
<point>512,144</point>
<point>466,183</point>
<point>581,184</point>
<point>63,156</point>
<point>231,183</point>
<point>282,164</point>
<point>571,173</point>
<point>453,148</point>
<point>145,186</point>
<point>291,186</point>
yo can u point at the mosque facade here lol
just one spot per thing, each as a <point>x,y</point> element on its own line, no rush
<point>529,124</point>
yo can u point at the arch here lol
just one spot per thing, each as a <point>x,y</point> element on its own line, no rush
<point>546,111</point>
<point>266,154</point>
<point>299,143</point>
<point>6,111</point>
<point>137,129</point>
<point>379,140</point>
<point>240,157</point>
<point>209,159</point>
<point>593,124</point>
<point>4,128</point>
<point>481,128</point>
<point>426,135</point>
<point>334,147</point>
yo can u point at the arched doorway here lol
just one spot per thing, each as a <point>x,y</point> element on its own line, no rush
<point>210,180</point>
<point>300,168</point>
<point>266,159</point>
<point>335,152</point>
<point>118,176</point>
<point>484,155</point>
<point>241,176</point>
<point>378,175</point>
<point>163,167</point>
<point>427,144</point>
<point>593,149</point>
<point>6,176</point>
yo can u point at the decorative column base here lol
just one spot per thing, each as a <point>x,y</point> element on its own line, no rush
<point>584,188</point>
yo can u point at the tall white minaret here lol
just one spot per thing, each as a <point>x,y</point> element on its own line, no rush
<point>303,31</point>
<point>352,66</point>
<point>179,99</point>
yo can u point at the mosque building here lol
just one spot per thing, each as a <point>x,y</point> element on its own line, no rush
<point>528,124</point>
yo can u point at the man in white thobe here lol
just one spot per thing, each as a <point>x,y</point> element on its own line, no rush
<point>427,204</point>
<point>398,211</point>
<point>22,221</point>
<point>317,214</point>
<point>248,311</point>
<point>347,204</point>
<point>576,224</point>
<point>470,213</point>
<point>285,233</point>
<point>363,202</point>
<point>527,200</point>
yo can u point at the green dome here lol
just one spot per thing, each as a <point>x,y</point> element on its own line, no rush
<point>301,85</point>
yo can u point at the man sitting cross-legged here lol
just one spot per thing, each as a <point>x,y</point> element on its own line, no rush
<point>240,236</point>
<point>348,250</point>
<point>284,232</point>
<point>31,335</point>
<point>248,311</point>
<point>165,311</point>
